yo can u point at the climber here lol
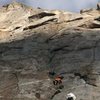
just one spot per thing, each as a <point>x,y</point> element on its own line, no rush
<point>70,96</point>
<point>58,80</point>
<point>52,73</point>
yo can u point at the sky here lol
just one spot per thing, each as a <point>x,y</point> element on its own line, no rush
<point>67,5</point>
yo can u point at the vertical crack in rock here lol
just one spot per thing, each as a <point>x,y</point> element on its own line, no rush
<point>16,76</point>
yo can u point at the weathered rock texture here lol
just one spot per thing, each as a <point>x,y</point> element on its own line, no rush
<point>36,41</point>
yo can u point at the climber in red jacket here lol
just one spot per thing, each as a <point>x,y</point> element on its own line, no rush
<point>58,80</point>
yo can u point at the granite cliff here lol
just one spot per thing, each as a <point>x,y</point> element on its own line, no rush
<point>36,41</point>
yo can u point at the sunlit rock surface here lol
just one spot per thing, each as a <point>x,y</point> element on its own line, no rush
<point>36,41</point>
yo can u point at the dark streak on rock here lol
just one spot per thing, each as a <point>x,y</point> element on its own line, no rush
<point>38,25</point>
<point>41,15</point>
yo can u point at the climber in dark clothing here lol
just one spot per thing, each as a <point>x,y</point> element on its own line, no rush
<point>52,73</point>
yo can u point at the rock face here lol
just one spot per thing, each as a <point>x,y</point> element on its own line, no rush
<point>36,41</point>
